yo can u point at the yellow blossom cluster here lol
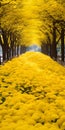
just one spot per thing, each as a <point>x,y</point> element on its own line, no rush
<point>32,93</point>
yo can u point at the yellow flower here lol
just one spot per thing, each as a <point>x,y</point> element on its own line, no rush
<point>32,93</point>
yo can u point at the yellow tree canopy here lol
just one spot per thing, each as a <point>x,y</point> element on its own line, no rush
<point>31,19</point>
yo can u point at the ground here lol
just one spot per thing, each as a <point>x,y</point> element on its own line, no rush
<point>32,93</point>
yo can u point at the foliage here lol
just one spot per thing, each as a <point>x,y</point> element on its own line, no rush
<point>32,93</point>
<point>30,19</point>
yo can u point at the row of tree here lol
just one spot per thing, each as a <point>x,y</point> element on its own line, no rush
<point>25,22</point>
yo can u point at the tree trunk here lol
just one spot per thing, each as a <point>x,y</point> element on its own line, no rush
<point>53,45</point>
<point>22,49</point>
<point>0,60</point>
<point>1,46</point>
<point>12,49</point>
<point>17,50</point>
<point>4,45</point>
<point>62,44</point>
<point>4,52</point>
<point>8,52</point>
<point>45,48</point>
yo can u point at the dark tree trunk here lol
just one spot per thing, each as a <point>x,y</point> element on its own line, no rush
<point>45,48</point>
<point>12,49</point>
<point>4,45</point>
<point>8,52</point>
<point>0,60</point>
<point>1,46</point>
<point>4,52</point>
<point>22,49</point>
<point>17,50</point>
<point>13,45</point>
<point>53,45</point>
<point>50,49</point>
<point>62,44</point>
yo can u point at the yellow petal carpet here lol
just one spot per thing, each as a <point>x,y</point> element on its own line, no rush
<point>32,93</point>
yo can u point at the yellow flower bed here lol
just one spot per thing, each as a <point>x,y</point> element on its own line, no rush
<point>32,93</point>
